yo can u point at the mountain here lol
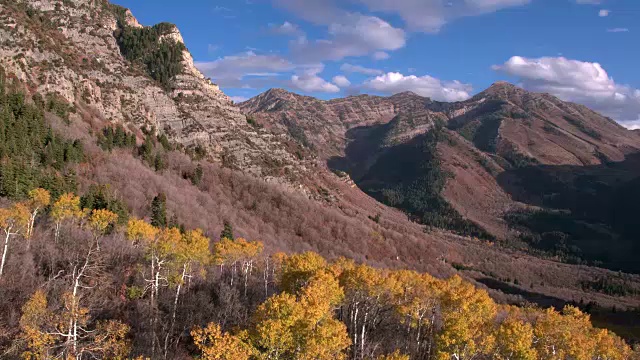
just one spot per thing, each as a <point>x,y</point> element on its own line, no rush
<point>95,104</point>
<point>83,64</point>
<point>466,174</point>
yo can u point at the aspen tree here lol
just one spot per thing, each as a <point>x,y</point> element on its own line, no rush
<point>191,251</point>
<point>67,207</point>
<point>214,344</point>
<point>12,222</point>
<point>99,222</point>
<point>468,315</point>
<point>38,199</point>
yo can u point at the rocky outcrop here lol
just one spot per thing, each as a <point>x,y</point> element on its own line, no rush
<point>486,138</point>
<point>68,48</point>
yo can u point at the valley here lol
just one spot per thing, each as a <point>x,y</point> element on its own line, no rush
<point>514,197</point>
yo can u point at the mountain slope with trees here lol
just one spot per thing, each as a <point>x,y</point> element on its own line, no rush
<point>113,259</point>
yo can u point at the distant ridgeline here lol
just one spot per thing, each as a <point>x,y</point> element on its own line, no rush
<point>160,56</point>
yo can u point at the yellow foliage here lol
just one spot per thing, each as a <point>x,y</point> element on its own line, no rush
<point>140,231</point>
<point>298,269</point>
<point>67,207</point>
<point>228,251</point>
<point>194,247</point>
<point>566,335</point>
<point>110,339</point>
<point>397,355</point>
<point>304,327</point>
<point>514,340</point>
<point>16,217</point>
<point>34,316</point>
<point>39,198</point>
<point>468,314</point>
<point>609,346</point>
<point>101,219</point>
<point>217,345</point>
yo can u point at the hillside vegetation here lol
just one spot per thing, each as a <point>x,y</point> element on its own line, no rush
<point>80,277</point>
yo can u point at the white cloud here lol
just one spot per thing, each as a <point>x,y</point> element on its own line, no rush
<point>309,81</point>
<point>588,2</point>
<point>618,30</point>
<point>604,13</point>
<point>578,81</point>
<point>350,33</point>
<point>357,35</point>
<point>245,69</point>
<point>380,55</point>
<point>286,28</point>
<point>432,15</point>
<point>359,69</point>
<point>238,99</point>
<point>393,82</point>
<point>341,81</point>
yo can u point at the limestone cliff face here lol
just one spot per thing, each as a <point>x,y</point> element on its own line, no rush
<point>68,48</point>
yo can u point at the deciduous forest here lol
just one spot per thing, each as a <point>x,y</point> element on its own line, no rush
<point>81,278</point>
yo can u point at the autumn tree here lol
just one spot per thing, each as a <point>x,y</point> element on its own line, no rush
<point>468,315</point>
<point>237,254</point>
<point>100,222</point>
<point>38,199</point>
<point>297,269</point>
<point>417,298</point>
<point>161,245</point>
<point>366,296</point>
<point>514,340</point>
<point>302,326</point>
<point>214,344</point>
<point>12,222</point>
<point>190,254</point>
<point>67,207</point>
<point>46,334</point>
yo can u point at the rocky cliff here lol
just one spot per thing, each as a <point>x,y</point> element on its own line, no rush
<point>69,48</point>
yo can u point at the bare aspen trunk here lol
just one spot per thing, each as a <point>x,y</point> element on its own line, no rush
<point>364,324</point>
<point>266,279</point>
<point>57,233</point>
<point>175,309</point>
<point>4,252</point>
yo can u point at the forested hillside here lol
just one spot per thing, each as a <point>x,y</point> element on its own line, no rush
<point>82,278</point>
<point>129,181</point>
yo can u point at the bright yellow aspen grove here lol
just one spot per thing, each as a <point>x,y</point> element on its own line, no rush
<point>299,268</point>
<point>609,346</point>
<point>564,335</point>
<point>514,340</point>
<point>217,345</point>
<point>468,315</point>
<point>303,327</point>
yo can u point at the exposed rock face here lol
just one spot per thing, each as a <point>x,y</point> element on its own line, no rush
<point>69,48</point>
<point>500,129</point>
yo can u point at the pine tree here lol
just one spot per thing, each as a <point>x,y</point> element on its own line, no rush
<point>227,232</point>
<point>159,211</point>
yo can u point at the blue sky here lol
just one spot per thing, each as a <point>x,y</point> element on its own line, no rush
<point>580,50</point>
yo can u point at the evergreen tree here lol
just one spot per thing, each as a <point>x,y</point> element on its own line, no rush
<point>159,211</point>
<point>227,232</point>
